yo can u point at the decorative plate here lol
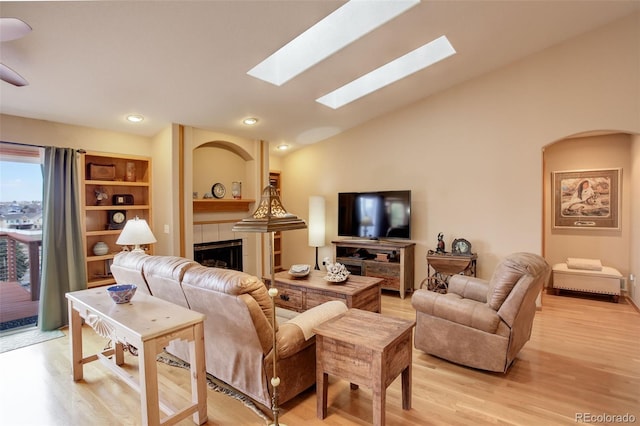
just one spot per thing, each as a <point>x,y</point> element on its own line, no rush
<point>218,190</point>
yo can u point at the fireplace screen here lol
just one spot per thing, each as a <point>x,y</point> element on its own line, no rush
<point>219,254</point>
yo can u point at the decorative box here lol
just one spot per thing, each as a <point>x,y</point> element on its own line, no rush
<point>102,171</point>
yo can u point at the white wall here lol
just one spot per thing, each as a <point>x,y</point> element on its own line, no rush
<point>473,155</point>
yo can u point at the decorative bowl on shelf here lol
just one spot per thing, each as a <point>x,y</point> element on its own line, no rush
<point>299,271</point>
<point>336,273</point>
<point>122,293</point>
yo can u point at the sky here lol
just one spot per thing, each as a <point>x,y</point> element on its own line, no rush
<point>20,181</point>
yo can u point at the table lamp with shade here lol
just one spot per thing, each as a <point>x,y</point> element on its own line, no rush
<point>270,217</point>
<point>135,233</point>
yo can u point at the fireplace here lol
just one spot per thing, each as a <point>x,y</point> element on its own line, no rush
<point>219,254</point>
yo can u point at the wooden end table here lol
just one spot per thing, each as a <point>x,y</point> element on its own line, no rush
<point>149,324</point>
<point>300,294</point>
<point>368,349</point>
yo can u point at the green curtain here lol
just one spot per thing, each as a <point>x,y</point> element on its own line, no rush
<point>63,267</point>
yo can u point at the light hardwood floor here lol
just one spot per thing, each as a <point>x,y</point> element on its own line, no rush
<point>584,357</point>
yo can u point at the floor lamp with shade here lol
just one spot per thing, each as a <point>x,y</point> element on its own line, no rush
<point>270,217</point>
<point>316,224</point>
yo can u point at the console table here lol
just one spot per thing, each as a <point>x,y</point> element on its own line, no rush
<point>149,324</point>
<point>396,270</point>
<point>440,266</point>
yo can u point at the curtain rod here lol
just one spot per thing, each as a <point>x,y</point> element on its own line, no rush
<point>81,151</point>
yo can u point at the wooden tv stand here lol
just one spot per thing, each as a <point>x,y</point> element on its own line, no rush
<point>359,256</point>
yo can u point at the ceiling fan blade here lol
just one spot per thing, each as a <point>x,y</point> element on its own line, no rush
<point>13,28</point>
<point>12,77</point>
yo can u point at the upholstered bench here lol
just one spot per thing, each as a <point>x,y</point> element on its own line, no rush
<point>586,275</point>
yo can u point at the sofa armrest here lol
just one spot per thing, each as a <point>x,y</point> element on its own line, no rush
<point>295,334</point>
<point>309,319</point>
<point>452,307</point>
<point>469,287</point>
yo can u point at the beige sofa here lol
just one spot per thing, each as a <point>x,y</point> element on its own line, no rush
<point>478,323</point>
<point>238,331</point>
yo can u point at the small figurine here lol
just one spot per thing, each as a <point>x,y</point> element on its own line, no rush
<point>440,248</point>
<point>101,195</point>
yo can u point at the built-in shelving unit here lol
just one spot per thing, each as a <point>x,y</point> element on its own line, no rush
<point>275,180</point>
<point>96,213</point>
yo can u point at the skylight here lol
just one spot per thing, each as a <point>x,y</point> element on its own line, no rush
<point>391,72</point>
<point>342,27</point>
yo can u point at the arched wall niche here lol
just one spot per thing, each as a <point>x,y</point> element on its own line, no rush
<point>220,161</point>
<point>231,146</point>
<point>593,150</point>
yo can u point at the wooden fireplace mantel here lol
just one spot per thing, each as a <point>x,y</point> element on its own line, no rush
<point>213,205</point>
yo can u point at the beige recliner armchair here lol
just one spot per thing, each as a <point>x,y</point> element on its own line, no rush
<point>478,323</point>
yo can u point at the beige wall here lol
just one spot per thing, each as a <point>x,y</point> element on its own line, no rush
<point>213,164</point>
<point>589,153</point>
<point>164,190</point>
<point>47,133</point>
<point>633,288</point>
<point>472,155</point>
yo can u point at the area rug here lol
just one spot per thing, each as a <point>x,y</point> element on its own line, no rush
<point>215,384</point>
<point>19,339</point>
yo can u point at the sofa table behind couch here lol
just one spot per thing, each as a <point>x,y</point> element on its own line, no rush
<point>149,324</point>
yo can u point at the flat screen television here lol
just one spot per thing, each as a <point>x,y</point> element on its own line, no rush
<point>375,215</point>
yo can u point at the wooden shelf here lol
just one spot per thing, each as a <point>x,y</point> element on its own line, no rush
<point>115,183</point>
<point>119,207</point>
<point>98,282</point>
<point>222,205</point>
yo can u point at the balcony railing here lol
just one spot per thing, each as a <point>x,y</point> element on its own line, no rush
<point>33,243</point>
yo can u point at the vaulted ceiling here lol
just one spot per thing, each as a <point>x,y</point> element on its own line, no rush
<point>92,63</point>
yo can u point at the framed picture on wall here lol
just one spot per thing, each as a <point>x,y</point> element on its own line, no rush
<point>586,199</point>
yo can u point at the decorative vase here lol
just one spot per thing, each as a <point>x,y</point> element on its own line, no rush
<point>236,190</point>
<point>100,248</point>
<point>130,174</point>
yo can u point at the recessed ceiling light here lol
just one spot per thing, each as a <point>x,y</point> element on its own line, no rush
<point>282,147</point>
<point>342,27</point>
<point>135,118</point>
<point>250,121</point>
<point>391,72</point>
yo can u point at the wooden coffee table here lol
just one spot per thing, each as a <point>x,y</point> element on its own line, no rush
<point>300,294</point>
<point>368,349</point>
<point>149,324</point>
